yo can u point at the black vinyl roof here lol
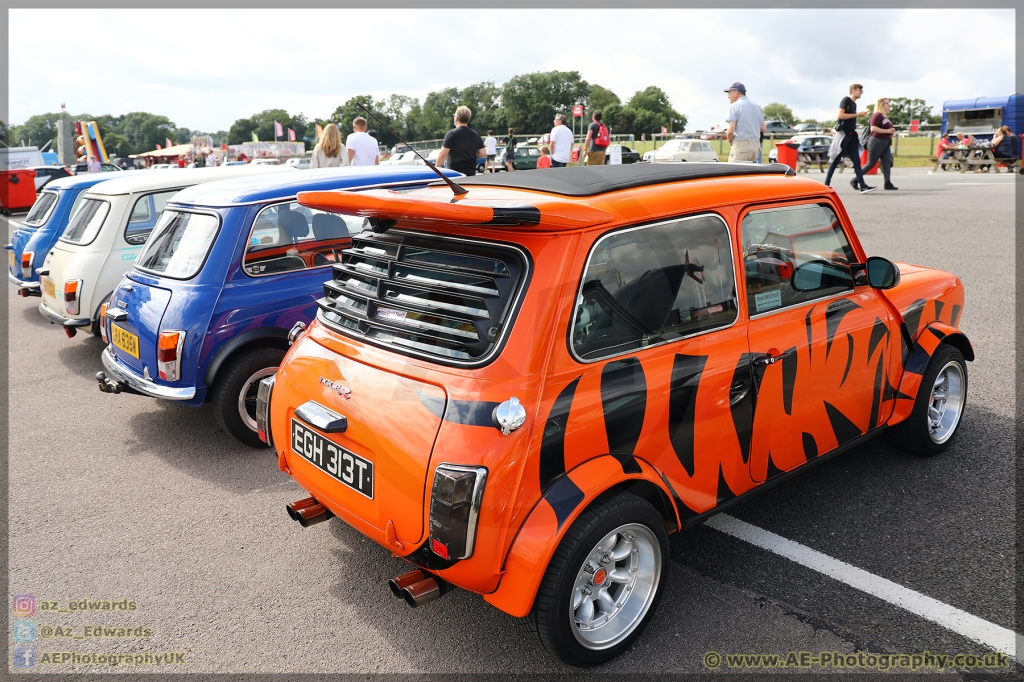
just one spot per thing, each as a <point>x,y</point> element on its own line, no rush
<point>585,181</point>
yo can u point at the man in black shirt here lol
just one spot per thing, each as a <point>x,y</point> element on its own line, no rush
<point>462,145</point>
<point>847,117</point>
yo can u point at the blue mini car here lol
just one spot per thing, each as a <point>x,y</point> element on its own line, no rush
<point>43,226</point>
<point>229,269</point>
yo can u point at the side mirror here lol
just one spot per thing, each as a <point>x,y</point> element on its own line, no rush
<point>882,273</point>
<point>820,274</point>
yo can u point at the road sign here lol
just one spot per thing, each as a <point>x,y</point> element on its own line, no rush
<point>577,110</point>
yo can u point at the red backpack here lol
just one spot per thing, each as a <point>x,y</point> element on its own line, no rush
<point>602,139</point>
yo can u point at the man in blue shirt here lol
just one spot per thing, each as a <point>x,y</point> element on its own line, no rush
<point>746,123</point>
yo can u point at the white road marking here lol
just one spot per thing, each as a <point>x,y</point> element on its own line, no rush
<point>949,617</point>
<point>1008,183</point>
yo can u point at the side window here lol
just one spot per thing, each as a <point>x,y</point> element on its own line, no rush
<point>287,237</point>
<point>654,284</point>
<point>792,255</point>
<point>144,215</point>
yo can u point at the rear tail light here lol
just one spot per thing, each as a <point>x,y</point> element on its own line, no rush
<point>263,395</point>
<point>103,322</point>
<point>72,294</point>
<point>26,264</point>
<point>168,354</point>
<point>454,508</point>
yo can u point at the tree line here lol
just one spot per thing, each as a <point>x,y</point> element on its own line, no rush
<point>903,110</point>
<point>526,102</point>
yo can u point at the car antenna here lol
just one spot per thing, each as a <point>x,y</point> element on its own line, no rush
<point>456,189</point>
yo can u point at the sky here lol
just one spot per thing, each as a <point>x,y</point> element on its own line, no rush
<point>204,69</point>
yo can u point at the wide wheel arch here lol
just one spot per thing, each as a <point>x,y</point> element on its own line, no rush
<point>562,503</point>
<point>273,337</point>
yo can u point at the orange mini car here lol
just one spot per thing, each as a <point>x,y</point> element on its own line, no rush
<point>524,388</point>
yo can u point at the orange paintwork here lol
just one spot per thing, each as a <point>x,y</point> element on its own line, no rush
<point>845,378</point>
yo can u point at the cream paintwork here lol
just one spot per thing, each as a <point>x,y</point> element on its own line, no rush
<point>102,263</point>
<point>682,150</point>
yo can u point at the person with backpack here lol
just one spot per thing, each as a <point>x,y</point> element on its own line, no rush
<point>597,141</point>
<point>846,125</point>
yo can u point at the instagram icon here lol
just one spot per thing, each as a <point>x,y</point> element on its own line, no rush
<point>23,605</point>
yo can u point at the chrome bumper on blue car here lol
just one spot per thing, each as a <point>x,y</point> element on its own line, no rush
<point>21,283</point>
<point>123,373</point>
<point>57,318</point>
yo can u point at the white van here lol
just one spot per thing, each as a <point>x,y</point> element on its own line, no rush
<point>105,235</point>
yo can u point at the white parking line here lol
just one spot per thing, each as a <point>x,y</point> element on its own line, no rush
<point>949,617</point>
<point>998,182</point>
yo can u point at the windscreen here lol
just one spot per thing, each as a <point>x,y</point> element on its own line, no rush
<point>179,244</point>
<point>85,224</point>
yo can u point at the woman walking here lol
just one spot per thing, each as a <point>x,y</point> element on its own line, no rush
<point>329,151</point>
<point>880,141</point>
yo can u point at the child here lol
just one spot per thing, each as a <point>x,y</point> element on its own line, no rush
<point>545,159</point>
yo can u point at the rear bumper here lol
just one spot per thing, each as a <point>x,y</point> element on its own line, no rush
<point>57,318</point>
<point>23,284</point>
<point>122,373</point>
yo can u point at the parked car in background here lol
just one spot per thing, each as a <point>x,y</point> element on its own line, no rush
<point>779,129</point>
<point>302,163</point>
<point>235,163</point>
<point>526,412</point>
<point>83,168</point>
<point>408,158</point>
<point>628,156</point>
<point>45,174</point>
<point>717,132</point>
<point>806,127</point>
<point>814,145</point>
<point>526,158</point>
<point>42,227</point>
<point>265,162</point>
<point>104,237</point>
<point>232,266</point>
<point>683,150</point>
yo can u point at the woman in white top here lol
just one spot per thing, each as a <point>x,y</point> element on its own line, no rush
<point>329,151</point>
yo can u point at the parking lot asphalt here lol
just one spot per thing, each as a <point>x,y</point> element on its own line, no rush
<point>123,497</point>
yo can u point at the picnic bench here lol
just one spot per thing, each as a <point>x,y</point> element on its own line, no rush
<point>804,161</point>
<point>974,157</point>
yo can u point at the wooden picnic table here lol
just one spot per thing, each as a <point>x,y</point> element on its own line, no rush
<point>804,161</point>
<point>973,157</point>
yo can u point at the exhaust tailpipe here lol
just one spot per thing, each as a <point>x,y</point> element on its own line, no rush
<point>308,512</point>
<point>422,592</point>
<point>403,581</point>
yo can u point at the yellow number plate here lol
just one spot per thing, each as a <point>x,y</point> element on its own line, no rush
<point>14,259</point>
<point>126,341</point>
<point>48,287</point>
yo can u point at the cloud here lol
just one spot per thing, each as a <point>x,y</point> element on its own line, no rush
<point>206,68</point>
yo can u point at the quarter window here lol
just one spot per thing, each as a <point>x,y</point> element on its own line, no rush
<point>145,212</point>
<point>86,222</point>
<point>805,241</point>
<point>654,284</point>
<point>41,209</point>
<point>288,237</point>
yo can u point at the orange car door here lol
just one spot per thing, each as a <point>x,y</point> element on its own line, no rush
<point>820,345</point>
<point>656,339</point>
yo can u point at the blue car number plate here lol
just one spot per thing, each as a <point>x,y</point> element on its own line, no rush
<point>347,467</point>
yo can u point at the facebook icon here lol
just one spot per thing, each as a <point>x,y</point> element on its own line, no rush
<point>24,657</point>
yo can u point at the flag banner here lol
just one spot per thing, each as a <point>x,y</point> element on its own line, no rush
<point>255,137</point>
<point>664,130</point>
<point>169,143</point>
<point>278,131</point>
<point>291,135</point>
<point>319,131</point>
<point>158,146</point>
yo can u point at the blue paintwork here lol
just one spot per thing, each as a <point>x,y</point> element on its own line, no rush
<point>42,238</point>
<point>222,302</point>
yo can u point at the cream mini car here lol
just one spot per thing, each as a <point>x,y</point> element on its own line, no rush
<point>105,236</point>
<point>683,150</point>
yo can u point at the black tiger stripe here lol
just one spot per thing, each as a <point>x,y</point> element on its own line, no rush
<point>810,446</point>
<point>876,394</point>
<point>938,309</point>
<point>724,491</point>
<point>564,496</point>
<point>844,429</point>
<point>849,358</point>
<point>954,315</point>
<point>879,331</point>
<point>790,362</point>
<point>742,402</point>
<point>624,400</point>
<point>682,401</point>
<point>552,445</point>
<point>834,314</point>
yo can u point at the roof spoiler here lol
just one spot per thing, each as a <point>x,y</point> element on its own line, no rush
<point>385,207</point>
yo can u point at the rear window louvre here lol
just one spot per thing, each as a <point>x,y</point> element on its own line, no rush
<point>450,300</point>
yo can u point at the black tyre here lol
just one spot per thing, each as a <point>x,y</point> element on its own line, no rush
<point>603,583</point>
<point>234,394</point>
<point>939,407</point>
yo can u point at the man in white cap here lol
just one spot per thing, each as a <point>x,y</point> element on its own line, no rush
<point>746,123</point>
